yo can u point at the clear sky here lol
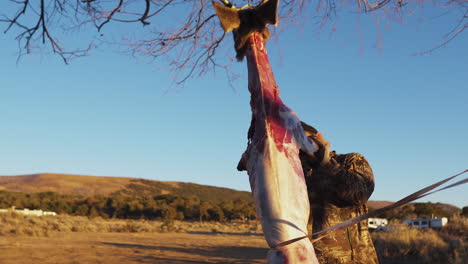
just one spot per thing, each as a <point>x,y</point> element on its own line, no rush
<point>110,115</point>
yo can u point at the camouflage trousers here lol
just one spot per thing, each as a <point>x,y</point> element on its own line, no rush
<point>349,246</point>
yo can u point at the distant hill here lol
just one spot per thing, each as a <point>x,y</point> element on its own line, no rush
<point>378,204</point>
<point>63,184</point>
<point>82,185</point>
<point>415,209</point>
<point>97,185</point>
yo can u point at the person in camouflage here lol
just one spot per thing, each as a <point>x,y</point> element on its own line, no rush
<point>339,186</point>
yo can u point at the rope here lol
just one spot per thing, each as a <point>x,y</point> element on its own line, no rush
<point>414,196</point>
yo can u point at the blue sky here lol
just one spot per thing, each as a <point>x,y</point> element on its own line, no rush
<point>111,115</point>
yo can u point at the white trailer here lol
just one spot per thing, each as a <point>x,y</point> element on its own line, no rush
<point>26,211</point>
<point>426,222</point>
<point>438,222</point>
<point>377,224</point>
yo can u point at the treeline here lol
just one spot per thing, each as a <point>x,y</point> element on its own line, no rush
<point>427,210</point>
<point>141,205</point>
<point>165,207</point>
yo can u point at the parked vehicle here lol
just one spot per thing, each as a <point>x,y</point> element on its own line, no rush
<point>27,211</point>
<point>377,224</point>
<point>426,222</point>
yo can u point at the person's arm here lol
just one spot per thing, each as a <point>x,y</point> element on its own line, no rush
<point>343,179</point>
<point>349,179</point>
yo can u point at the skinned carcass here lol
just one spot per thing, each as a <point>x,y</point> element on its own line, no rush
<point>275,138</point>
<point>273,164</point>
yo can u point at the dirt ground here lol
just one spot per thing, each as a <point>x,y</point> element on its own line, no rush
<point>126,248</point>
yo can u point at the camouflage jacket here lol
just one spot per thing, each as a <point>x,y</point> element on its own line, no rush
<point>337,192</point>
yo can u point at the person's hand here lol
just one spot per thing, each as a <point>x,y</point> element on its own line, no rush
<point>324,148</point>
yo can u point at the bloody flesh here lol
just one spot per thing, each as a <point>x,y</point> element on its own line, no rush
<point>273,164</point>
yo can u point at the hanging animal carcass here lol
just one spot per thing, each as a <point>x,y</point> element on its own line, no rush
<point>275,138</point>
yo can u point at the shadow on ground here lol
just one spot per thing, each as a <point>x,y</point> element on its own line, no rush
<point>223,233</point>
<point>232,254</point>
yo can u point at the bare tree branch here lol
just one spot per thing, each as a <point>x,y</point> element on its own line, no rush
<point>183,33</point>
<point>18,15</point>
<point>145,14</point>
<point>109,17</point>
<point>455,32</point>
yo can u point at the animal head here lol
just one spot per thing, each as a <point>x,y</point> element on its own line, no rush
<point>243,22</point>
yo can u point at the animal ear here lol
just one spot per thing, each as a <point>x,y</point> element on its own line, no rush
<point>267,11</point>
<point>228,17</point>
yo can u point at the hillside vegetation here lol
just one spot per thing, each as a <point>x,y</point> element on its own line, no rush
<point>165,206</point>
<point>132,198</point>
<point>141,187</point>
<point>424,246</point>
<point>415,210</point>
<point>125,198</point>
<point>14,224</point>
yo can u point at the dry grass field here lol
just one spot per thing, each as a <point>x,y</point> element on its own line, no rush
<point>127,248</point>
<point>420,246</point>
<point>79,240</point>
